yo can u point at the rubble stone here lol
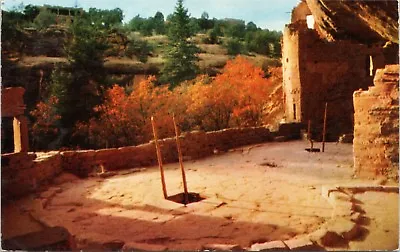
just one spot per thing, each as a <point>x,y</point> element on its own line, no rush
<point>113,245</point>
<point>273,245</point>
<point>301,244</point>
<point>222,247</point>
<point>325,237</point>
<point>344,227</point>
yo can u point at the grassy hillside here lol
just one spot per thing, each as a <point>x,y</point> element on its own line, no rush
<point>212,57</point>
<point>34,38</point>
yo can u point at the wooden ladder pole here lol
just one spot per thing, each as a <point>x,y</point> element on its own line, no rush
<point>159,158</point>
<point>178,146</point>
<point>309,135</point>
<point>324,129</point>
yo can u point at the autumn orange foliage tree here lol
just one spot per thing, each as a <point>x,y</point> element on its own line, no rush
<point>124,119</point>
<point>45,129</point>
<point>234,98</point>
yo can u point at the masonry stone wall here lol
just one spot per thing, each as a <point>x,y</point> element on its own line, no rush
<point>291,74</point>
<point>194,145</point>
<point>316,71</point>
<point>12,101</point>
<point>376,129</point>
<point>23,173</point>
<point>12,105</point>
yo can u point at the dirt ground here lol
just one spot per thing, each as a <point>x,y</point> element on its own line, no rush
<point>251,195</point>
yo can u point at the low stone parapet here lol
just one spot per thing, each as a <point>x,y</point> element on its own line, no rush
<point>23,173</point>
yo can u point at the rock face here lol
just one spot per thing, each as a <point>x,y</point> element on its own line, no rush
<point>365,21</point>
<point>376,129</point>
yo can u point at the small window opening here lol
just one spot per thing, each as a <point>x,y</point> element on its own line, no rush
<point>310,21</point>
<point>371,66</point>
<point>294,111</point>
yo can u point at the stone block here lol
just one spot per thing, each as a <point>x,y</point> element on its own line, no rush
<point>222,247</point>
<point>339,197</point>
<point>273,245</point>
<point>16,158</point>
<point>301,244</point>
<point>107,174</point>
<point>356,217</point>
<point>326,237</point>
<point>342,210</point>
<point>336,198</point>
<point>331,239</point>
<point>344,227</point>
<point>113,245</point>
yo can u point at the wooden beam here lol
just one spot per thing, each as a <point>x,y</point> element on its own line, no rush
<point>178,146</point>
<point>324,129</point>
<point>159,158</point>
<point>309,136</point>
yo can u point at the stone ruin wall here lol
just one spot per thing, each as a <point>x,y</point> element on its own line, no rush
<point>317,71</point>
<point>12,106</point>
<point>23,173</point>
<point>291,75</point>
<point>331,73</point>
<point>376,129</point>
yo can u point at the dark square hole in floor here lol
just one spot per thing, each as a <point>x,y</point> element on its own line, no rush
<point>180,198</point>
<point>313,150</point>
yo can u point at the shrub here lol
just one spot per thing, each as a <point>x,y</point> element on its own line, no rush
<point>212,37</point>
<point>140,48</point>
<point>235,47</point>
<point>44,19</point>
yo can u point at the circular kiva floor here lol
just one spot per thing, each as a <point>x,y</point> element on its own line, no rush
<point>250,195</point>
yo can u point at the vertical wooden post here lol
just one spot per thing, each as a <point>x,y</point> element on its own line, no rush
<point>309,136</point>
<point>178,146</point>
<point>324,129</point>
<point>159,158</point>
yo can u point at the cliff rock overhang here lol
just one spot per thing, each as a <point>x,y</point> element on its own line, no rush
<point>365,21</point>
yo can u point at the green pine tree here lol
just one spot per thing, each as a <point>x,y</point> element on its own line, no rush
<point>181,54</point>
<point>80,84</point>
